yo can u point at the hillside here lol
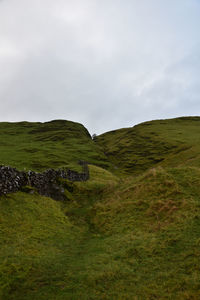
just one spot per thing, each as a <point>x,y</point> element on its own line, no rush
<point>172,142</point>
<point>128,234</point>
<point>38,146</point>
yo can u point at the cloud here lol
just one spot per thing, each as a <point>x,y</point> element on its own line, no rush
<point>106,64</point>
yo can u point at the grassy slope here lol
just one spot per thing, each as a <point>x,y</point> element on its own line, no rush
<point>172,142</point>
<point>115,238</point>
<point>37,240</point>
<point>38,146</point>
<point>152,226</point>
<point>43,242</point>
<point>132,239</point>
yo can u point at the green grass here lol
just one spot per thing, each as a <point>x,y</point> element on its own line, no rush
<point>115,237</point>
<point>173,142</point>
<point>144,239</point>
<point>34,234</point>
<point>55,144</point>
<point>136,238</point>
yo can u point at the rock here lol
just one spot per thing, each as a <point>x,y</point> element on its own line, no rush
<point>46,183</point>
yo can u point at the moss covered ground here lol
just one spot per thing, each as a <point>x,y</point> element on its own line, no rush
<point>117,236</point>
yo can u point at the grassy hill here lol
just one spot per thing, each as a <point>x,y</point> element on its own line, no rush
<point>116,237</point>
<point>173,142</point>
<point>38,146</point>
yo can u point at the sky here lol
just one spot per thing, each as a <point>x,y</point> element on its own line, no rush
<point>106,64</point>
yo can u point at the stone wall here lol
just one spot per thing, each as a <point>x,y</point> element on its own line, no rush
<point>46,183</point>
<point>11,180</point>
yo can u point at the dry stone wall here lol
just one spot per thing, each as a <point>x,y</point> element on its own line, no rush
<point>11,180</point>
<point>46,183</point>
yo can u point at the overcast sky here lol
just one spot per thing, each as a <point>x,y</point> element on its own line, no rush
<point>104,63</point>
